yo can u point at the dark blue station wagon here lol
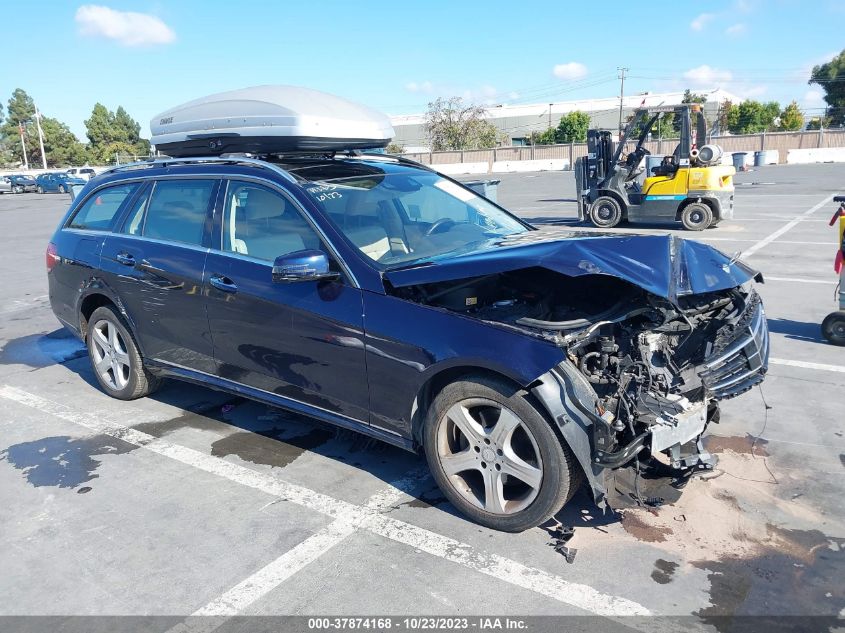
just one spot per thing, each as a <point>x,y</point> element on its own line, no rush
<point>375,294</point>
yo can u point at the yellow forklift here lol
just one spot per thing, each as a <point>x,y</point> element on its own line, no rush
<point>688,186</point>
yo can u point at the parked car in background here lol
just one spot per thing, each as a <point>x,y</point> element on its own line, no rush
<point>23,184</point>
<point>85,173</point>
<point>56,182</point>
<point>5,184</point>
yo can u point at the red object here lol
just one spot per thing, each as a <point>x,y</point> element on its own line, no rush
<point>837,263</point>
<point>52,256</point>
<point>835,217</point>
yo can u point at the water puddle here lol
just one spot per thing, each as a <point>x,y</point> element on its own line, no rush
<point>62,461</point>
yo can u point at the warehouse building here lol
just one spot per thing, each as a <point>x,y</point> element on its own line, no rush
<point>516,122</point>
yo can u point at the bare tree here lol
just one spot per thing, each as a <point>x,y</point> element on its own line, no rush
<point>451,125</point>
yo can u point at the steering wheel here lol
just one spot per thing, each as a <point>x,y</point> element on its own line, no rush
<point>438,226</point>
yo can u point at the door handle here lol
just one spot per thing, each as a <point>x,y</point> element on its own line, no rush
<point>125,258</point>
<point>223,283</point>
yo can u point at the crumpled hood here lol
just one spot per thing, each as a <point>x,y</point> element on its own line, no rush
<point>665,265</point>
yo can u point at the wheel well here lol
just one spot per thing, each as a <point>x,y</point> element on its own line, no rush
<point>89,304</point>
<point>435,384</point>
<point>612,194</point>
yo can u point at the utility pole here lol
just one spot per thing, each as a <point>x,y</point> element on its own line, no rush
<point>550,115</point>
<point>23,145</point>
<point>40,137</point>
<point>621,76</point>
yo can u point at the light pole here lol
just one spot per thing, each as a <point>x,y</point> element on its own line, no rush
<point>23,144</point>
<point>622,72</point>
<point>40,136</point>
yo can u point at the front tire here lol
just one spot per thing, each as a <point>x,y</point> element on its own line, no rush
<point>833,327</point>
<point>115,358</point>
<point>40,189</point>
<point>696,216</point>
<point>494,455</point>
<point>605,212</point>
<point>61,188</point>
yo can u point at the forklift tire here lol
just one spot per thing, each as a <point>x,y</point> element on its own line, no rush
<point>605,212</point>
<point>696,216</point>
<point>833,327</point>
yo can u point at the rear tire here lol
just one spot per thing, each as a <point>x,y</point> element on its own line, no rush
<point>833,327</point>
<point>696,216</point>
<point>605,212</point>
<point>115,358</point>
<point>61,188</point>
<point>495,456</point>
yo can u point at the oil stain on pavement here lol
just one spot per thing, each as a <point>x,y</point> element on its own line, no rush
<point>795,572</point>
<point>273,447</point>
<point>663,571</point>
<point>62,461</point>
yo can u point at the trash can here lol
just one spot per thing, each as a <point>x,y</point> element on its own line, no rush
<point>739,160</point>
<point>487,188</point>
<point>759,159</point>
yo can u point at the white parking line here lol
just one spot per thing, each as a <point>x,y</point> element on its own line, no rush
<point>805,365</point>
<point>504,569</point>
<point>773,236</point>
<point>801,280</point>
<point>262,582</point>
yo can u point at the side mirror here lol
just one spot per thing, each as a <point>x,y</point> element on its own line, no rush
<point>307,265</point>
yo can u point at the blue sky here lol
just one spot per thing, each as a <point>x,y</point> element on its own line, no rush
<point>396,56</point>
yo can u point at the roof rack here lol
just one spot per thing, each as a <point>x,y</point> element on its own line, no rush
<point>228,159</point>
<point>244,159</point>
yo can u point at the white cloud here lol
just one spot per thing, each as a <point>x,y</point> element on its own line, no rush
<point>488,92</point>
<point>705,75</point>
<point>424,87</point>
<point>813,98</point>
<point>571,70</point>
<point>701,21</point>
<point>735,30</point>
<point>513,96</point>
<point>125,27</point>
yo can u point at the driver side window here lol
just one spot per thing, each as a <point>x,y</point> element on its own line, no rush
<point>263,223</point>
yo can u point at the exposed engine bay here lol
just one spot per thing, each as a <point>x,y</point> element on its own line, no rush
<point>657,368</point>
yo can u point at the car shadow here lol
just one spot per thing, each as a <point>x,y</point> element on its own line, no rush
<point>263,435</point>
<point>797,330</point>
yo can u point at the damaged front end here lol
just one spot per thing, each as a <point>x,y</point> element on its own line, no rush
<point>643,373</point>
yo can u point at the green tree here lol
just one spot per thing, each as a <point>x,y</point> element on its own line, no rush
<point>791,119</point>
<point>831,77</point>
<point>105,128</point>
<point>61,146</point>
<point>21,112</point>
<point>813,124</point>
<point>752,117</point>
<point>394,148</point>
<point>546,137</point>
<point>451,125</point>
<point>573,127</point>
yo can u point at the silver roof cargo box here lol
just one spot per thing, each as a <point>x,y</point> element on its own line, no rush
<point>268,120</point>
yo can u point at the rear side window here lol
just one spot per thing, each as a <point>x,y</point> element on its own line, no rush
<point>98,212</point>
<point>177,211</point>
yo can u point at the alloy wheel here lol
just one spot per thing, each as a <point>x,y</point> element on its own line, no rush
<point>489,456</point>
<point>111,360</point>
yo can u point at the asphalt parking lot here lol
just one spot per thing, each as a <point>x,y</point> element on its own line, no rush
<point>195,502</point>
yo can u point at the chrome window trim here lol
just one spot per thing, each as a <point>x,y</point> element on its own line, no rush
<point>227,177</point>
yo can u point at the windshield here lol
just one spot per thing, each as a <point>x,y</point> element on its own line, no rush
<point>400,216</point>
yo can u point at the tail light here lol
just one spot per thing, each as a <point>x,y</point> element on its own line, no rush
<point>52,256</point>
